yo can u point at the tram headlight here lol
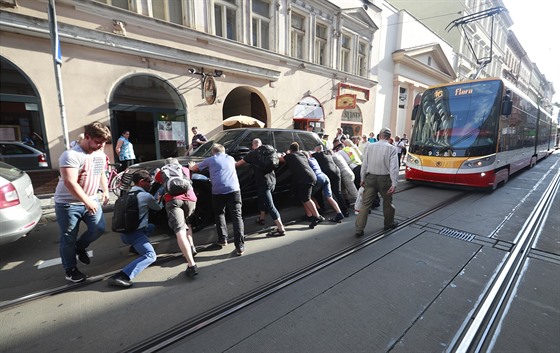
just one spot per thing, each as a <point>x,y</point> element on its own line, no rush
<point>478,162</point>
<point>412,159</point>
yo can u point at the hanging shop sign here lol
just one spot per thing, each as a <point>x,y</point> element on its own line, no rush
<point>209,89</point>
<point>346,101</point>
<point>362,94</point>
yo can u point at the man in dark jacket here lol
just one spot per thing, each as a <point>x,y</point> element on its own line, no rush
<point>328,166</point>
<point>304,179</point>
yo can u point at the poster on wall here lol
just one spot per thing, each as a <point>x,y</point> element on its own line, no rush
<point>172,131</point>
<point>178,132</point>
<point>165,130</point>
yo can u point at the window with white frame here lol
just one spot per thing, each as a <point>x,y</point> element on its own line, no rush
<point>345,53</point>
<point>297,36</point>
<point>123,4</point>
<point>363,59</point>
<point>168,10</point>
<point>320,56</point>
<point>225,18</point>
<point>260,23</point>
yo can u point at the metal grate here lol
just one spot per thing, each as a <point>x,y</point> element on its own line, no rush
<point>457,234</point>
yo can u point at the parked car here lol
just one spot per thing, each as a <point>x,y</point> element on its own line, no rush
<point>20,209</point>
<point>237,143</point>
<point>22,156</point>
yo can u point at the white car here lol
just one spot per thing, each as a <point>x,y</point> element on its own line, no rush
<point>20,209</point>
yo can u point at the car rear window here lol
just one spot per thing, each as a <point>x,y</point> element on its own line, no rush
<point>8,172</point>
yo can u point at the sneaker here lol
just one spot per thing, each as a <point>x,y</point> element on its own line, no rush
<point>191,271</point>
<point>391,226</point>
<point>193,250</point>
<point>240,250</point>
<point>120,280</point>
<point>337,219</point>
<point>83,256</point>
<point>222,242</point>
<point>320,219</point>
<point>74,275</point>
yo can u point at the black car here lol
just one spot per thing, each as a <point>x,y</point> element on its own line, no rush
<point>237,143</point>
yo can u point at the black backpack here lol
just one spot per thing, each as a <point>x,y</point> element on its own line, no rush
<point>267,158</point>
<point>126,214</point>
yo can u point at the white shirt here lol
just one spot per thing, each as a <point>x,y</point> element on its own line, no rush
<point>381,158</point>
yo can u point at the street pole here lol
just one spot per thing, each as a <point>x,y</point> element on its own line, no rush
<point>57,61</point>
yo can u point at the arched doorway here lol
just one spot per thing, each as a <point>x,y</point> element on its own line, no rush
<point>154,114</point>
<point>20,108</point>
<point>245,101</point>
<point>309,115</point>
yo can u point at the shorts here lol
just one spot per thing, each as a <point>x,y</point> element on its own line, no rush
<point>177,213</point>
<point>303,192</point>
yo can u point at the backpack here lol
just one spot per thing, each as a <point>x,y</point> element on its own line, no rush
<point>126,214</point>
<point>267,158</point>
<point>175,182</point>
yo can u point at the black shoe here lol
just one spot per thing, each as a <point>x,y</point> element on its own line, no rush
<point>359,233</point>
<point>346,214</point>
<point>74,275</point>
<point>375,205</point>
<point>338,218</point>
<point>193,251</point>
<point>391,226</point>
<point>240,250</point>
<point>131,250</point>
<point>222,242</point>
<point>320,219</point>
<point>191,271</point>
<point>83,256</point>
<point>120,280</point>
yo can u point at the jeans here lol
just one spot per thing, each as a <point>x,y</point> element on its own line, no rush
<point>231,202</point>
<point>373,185</point>
<point>139,240</point>
<point>266,203</point>
<point>68,217</point>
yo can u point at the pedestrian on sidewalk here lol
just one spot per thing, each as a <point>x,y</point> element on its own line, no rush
<point>380,173</point>
<point>138,239</point>
<point>226,194</point>
<point>82,172</point>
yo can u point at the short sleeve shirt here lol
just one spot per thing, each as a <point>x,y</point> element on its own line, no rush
<point>222,173</point>
<point>90,166</point>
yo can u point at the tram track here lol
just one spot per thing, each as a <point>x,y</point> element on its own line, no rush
<point>204,320</point>
<point>482,326</point>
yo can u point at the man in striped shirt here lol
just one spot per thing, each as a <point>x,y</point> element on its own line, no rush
<point>82,173</point>
<point>379,174</point>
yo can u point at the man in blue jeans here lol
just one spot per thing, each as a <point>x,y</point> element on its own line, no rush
<point>226,193</point>
<point>139,238</point>
<point>82,173</point>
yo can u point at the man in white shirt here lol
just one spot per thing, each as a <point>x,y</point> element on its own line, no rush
<point>380,172</point>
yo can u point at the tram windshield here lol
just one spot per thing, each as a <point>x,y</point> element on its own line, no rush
<point>458,120</point>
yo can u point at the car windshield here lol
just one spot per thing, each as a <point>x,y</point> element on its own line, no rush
<point>458,120</point>
<point>224,138</point>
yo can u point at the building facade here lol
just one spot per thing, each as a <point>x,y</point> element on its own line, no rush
<point>157,68</point>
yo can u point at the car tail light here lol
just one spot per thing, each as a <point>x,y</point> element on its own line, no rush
<point>43,160</point>
<point>8,196</point>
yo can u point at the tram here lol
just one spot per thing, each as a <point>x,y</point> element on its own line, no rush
<point>476,134</point>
